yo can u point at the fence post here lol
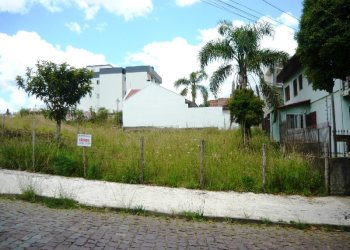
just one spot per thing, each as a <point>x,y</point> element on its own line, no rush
<point>326,168</point>
<point>330,141</point>
<point>33,144</point>
<point>264,165</point>
<point>84,161</point>
<point>142,161</point>
<point>3,125</point>
<point>201,170</point>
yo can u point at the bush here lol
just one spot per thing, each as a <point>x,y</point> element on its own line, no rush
<point>118,118</point>
<point>100,116</point>
<point>78,115</point>
<point>292,178</point>
<point>65,165</point>
<point>29,195</point>
<point>93,171</point>
<point>24,112</point>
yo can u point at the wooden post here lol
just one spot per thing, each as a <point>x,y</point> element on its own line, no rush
<point>3,125</point>
<point>264,165</point>
<point>33,144</point>
<point>201,171</point>
<point>84,161</point>
<point>142,161</point>
<point>326,168</point>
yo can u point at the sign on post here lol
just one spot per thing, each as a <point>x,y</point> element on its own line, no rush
<point>84,140</point>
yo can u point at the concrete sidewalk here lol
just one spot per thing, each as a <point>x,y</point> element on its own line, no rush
<point>330,210</point>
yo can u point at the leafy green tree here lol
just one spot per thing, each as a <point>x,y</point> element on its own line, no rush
<point>59,86</point>
<point>239,49</point>
<point>192,84</point>
<point>323,44</point>
<point>247,109</point>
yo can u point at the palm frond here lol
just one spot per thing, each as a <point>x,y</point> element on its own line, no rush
<point>218,77</point>
<point>182,82</point>
<point>214,51</point>
<point>204,92</point>
<point>184,92</point>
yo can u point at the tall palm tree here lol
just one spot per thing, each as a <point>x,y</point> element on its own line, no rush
<point>192,84</point>
<point>239,50</point>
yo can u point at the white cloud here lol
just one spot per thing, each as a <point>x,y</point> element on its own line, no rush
<point>288,20</point>
<point>14,6</point>
<point>172,59</point>
<point>128,9</point>
<point>184,3</point>
<point>74,27</point>
<point>178,58</point>
<point>24,49</point>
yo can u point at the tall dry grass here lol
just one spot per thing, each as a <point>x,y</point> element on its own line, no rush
<point>171,157</point>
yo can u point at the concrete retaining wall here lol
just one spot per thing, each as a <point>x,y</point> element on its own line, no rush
<point>276,208</point>
<point>340,176</point>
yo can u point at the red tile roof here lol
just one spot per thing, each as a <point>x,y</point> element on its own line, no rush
<point>131,93</point>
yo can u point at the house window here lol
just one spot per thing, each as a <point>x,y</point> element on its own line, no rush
<point>295,121</point>
<point>287,93</point>
<point>98,82</point>
<point>295,87</point>
<point>300,81</point>
<point>311,121</point>
<point>98,96</point>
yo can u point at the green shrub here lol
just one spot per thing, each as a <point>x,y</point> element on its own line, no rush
<point>93,171</point>
<point>118,118</point>
<point>131,176</point>
<point>29,195</point>
<point>248,183</point>
<point>65,165</point>
<point>292,178</point>
<point>24,112</point>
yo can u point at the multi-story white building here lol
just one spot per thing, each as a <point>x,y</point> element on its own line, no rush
<point>111,84</point>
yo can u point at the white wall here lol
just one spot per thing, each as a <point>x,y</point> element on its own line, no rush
<point>155,106</point>
<point>136,80</point>
<point>110,90</point>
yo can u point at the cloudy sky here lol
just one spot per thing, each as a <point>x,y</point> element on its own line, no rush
<point>166,34</point>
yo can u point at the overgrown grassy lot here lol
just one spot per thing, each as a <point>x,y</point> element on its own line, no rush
<point>171,157</point>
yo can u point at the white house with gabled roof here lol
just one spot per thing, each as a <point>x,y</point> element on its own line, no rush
<point>158,107</point>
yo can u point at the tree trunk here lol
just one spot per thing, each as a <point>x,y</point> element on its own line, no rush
<point>334,126</point>
<point>58,131</point>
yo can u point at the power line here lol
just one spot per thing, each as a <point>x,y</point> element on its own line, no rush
<point>259,13</point>
<point>231,6</point>
<point>228,7</point>
<point>280,10</point>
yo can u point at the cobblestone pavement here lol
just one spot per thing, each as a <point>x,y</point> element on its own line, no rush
<point>33,226</point>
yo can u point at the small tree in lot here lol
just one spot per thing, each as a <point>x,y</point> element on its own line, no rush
<point>59,86</point>
<point>247,109</point>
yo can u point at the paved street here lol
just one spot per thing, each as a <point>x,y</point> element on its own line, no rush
<point>33,226</point>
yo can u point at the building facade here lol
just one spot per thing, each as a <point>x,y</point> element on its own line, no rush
<point>305,109</point>
<point>157,107</point>
<point>111,84</point>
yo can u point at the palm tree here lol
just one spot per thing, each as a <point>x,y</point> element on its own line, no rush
<point>192,84</point>
<point>239,49</point>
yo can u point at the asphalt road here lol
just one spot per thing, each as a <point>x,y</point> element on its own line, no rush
<point>33,226</point>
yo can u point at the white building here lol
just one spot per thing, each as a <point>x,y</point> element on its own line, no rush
<point>155,106</point>
<point>305,109</point>
<point>110,85</point>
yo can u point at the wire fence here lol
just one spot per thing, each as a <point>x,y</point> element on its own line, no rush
<point>312,140</point>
